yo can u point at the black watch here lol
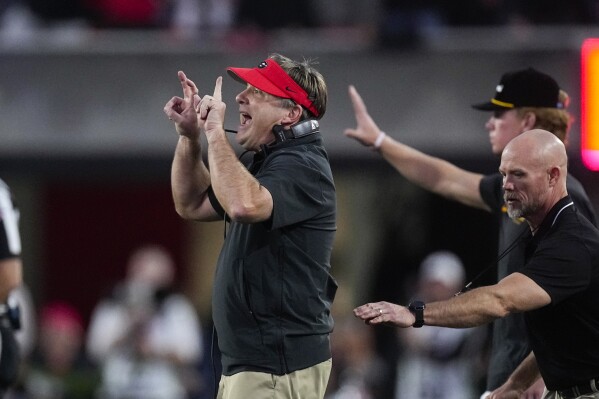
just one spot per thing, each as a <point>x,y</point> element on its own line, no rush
<point>417,309</point>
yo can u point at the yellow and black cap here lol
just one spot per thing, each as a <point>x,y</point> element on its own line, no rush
<point>523,88</point>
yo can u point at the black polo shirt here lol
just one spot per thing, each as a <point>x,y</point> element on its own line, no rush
<point>510,341</point>
<point>563,259</point>
<point>273,289</point>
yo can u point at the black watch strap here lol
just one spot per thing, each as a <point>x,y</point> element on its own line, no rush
<point>417,309</point>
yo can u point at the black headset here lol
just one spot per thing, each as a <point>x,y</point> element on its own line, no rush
<point>300,129</point>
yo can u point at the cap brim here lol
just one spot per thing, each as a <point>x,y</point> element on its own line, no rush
<point>256,79</point>
<point>489,106</point>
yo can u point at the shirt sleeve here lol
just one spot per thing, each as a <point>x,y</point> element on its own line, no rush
<point>561,266</point>
<point>297,185</point>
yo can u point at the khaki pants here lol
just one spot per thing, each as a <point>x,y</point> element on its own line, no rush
<point>309,383</point>
<point>555,395</point>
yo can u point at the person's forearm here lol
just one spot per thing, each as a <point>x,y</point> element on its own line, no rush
<point>238,192</point>
<point>473,308</point>
<point>526,374</point>
<point>190,178</point>
<point>433,174</point>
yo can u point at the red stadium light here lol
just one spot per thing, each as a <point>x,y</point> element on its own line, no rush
<point>589,143</point>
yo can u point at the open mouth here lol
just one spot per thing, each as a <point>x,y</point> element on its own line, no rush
<point>245,119</point>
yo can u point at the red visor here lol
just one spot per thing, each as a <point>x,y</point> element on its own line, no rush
<point>272,79</point>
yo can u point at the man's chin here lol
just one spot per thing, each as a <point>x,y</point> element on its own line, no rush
<point>514,213</point>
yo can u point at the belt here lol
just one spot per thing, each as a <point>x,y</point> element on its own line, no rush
<point>579,390</point>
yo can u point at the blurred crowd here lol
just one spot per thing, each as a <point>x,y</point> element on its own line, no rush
<point>397,23</point>
<point>144,340</point>
<point>405,22</point>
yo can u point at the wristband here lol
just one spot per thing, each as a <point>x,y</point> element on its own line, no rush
<point>379,140</point>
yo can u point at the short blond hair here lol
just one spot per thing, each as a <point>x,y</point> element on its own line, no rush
<point>555,120</point>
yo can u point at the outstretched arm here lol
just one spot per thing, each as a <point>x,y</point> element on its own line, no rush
<point>515,293</point>
<point>430,173</point>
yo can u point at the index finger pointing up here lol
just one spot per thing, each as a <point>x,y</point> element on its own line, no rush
<point>218,89</point>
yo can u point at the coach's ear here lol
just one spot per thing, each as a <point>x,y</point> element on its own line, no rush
<point>293,115</point>
<point>529,121</point>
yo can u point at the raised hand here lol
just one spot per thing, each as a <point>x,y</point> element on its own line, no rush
<point>182,111</point>
<point>366,131</point>
<point>211,109</point>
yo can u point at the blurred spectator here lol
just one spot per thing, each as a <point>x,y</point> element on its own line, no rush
<point>128,13</point>
<point>58,10</point>
<point>477,12</point>
<point>184,16</point>
<point>187,18</point>
<point>275,14</point>
<point>404,21</point>
<point>438,362</point>
<point>553,12</point>
<point>146,337</point>
<point>58,368</point>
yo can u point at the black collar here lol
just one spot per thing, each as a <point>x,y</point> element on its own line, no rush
<point>267,149</point>
<point>554,214</point>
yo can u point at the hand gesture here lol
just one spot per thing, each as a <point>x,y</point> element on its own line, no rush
<point>211,109</point>
<point>182,111</point>
<point>366,132</point>
<point>385,313</point>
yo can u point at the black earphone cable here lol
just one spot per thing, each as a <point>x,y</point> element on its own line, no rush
<point>509,249</point>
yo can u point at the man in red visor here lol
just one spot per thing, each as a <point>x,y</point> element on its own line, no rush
<point>273,288</point>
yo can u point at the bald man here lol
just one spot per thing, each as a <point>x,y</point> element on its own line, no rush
<point>557,289</point>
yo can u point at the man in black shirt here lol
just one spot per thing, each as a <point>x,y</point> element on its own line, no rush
<point>273,291</point>
<point>558,287</point>
<point>524,99</point>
